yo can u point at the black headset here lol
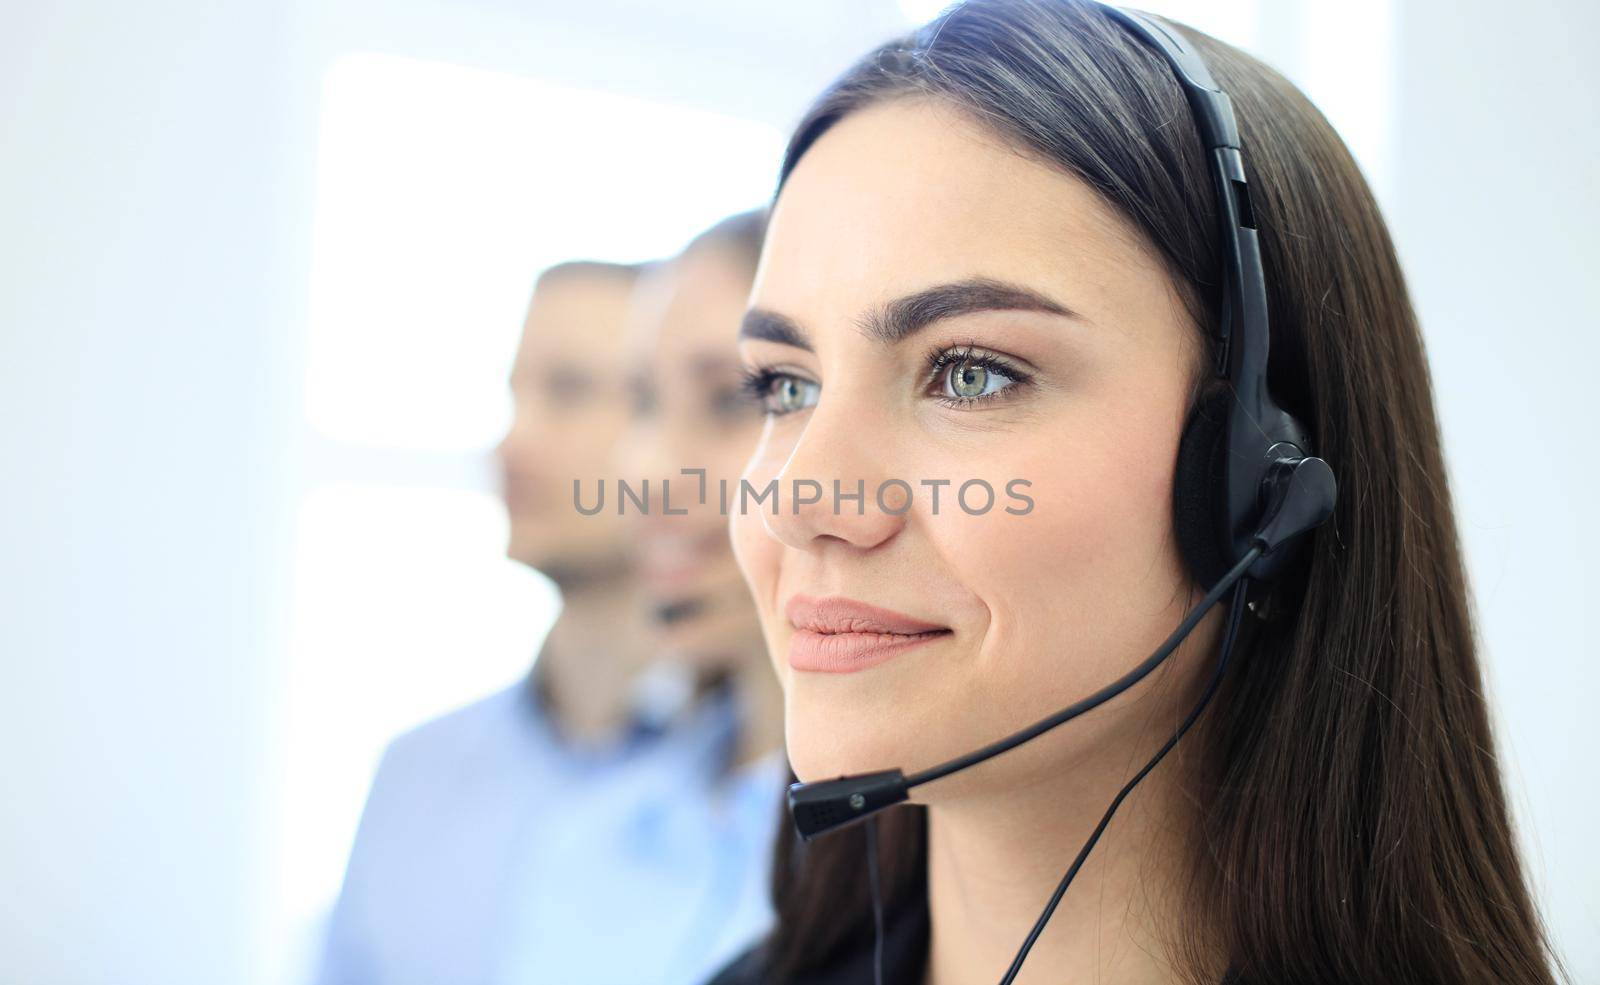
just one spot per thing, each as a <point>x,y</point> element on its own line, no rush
<point>1247,490</point>
<point>1239,445</point>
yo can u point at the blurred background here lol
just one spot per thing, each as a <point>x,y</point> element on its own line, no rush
<point>262,270</point>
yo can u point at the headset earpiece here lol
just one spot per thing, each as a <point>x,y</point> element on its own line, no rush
<point>1197,487</point>
<point>1235,445</point>
<point>1222,447</point>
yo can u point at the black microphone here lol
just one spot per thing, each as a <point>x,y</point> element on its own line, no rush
<point>1300,494</point>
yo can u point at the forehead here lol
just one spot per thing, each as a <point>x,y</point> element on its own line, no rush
<point>915,191</point>
<point>579,315</point>
<point>695,300</point>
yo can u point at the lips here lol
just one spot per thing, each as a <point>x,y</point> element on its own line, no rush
<point>838,635</point>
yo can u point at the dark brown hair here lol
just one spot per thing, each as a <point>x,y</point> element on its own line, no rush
<point>1353,824</point>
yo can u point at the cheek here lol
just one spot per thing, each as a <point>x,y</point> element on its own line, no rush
<point>585,448</point>
<point>723,464</point>
<point>757,554</point>
<point>1092,542</point>
<point>1064,599</point>
<point>759,557</point>
<point>1099,505</point>
<point>725,456</point>
<point>1077,588</point>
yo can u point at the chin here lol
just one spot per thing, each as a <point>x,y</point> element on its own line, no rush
<point>528,541</point>
<point>533,554</point>
<point>520,551</point>
<point>826,737</point>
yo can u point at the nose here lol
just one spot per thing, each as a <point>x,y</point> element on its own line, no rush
<point>834,488</point>
<point>505,448</point>
<point>536,420</point>
<point>514,444</point>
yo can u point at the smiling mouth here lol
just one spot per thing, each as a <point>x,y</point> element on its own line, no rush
<point>838,635</point>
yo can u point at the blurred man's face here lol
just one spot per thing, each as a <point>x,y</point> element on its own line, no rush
<point>570,409</point>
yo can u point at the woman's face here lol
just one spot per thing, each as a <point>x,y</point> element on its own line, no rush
<point>691,413</point>
<point>932,305</point>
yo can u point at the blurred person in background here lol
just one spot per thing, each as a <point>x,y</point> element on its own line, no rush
<point>632,784</point>
<point>440,858</point>
<point>693,414</point>
<point>692,837</point>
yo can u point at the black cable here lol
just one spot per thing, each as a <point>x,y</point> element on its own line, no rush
<point>877,901</point>
<point>1235,609</point>
<point>1106,693</point>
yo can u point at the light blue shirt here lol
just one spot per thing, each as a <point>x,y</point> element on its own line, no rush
<point>492,852</point>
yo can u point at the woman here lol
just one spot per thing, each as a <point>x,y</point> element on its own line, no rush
<point>994,255</point>
<point>691,412</point>
<point>713,818</point>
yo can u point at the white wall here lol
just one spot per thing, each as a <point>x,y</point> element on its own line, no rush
<point>1495,213</point>
<point>152,175</point>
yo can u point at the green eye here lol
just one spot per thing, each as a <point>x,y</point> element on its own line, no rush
<point>970,379</point>
<point>789,395</point>
<point>967,380</point>
<point>778,392</point>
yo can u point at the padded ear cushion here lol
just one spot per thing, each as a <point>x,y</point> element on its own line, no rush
<point>1197,488</point>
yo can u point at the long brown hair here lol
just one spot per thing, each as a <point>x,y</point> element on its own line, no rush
<point>1354,827</point>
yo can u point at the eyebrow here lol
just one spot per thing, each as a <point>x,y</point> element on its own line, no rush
<point>759,323</point>
<point>905,316</point>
